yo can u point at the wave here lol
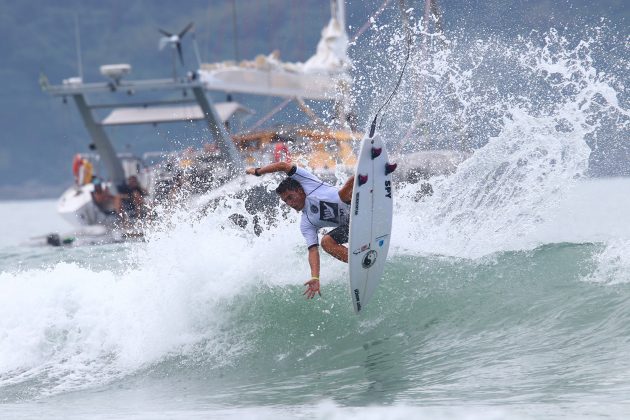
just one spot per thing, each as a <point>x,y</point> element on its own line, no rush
<point>481,300</point>
<point>69,328</point>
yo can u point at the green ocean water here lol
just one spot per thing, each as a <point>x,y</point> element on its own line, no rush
<point>512,334</point>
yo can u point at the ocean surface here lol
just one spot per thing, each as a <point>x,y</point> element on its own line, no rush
<point>209,322</point>
<point>506,294</point>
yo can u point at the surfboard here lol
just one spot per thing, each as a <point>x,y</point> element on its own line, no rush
<point>370,219</point>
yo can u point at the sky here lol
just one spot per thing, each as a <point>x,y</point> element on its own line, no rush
<point>40,135</point>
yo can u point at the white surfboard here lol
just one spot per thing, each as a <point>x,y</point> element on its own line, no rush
<point>370,220</point>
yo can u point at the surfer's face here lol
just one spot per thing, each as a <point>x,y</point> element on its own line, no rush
<point>294,199</point>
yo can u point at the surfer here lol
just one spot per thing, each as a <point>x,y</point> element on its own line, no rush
<point>322,205</point>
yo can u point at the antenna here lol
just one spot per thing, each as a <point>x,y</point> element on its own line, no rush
<point>196,48</point>
<point>77,35</point>
<point>235,31</point>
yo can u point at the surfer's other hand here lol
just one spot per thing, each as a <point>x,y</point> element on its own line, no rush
<point>312,287</point>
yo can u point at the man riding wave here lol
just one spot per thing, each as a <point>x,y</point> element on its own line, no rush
<point>322,205</point>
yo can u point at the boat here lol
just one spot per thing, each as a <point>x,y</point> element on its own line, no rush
<point>327,147</point>
<point>119,101</point>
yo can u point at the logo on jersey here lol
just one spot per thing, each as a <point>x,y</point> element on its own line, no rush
<point>369,259</point>
<point>314,209</point>
<point>328,212</point>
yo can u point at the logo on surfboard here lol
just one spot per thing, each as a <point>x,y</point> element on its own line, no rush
<point>363,247</point>
<point>380,240</point>
<point>369,259</point>
<point>356,297</point>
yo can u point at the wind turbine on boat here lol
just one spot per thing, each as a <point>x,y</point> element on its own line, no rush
<point>175,41</point>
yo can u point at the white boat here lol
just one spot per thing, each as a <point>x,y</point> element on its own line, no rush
<point>323,77</point>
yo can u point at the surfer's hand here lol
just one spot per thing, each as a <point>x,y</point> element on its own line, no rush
<point>312,287</point>
<point>253,171</point>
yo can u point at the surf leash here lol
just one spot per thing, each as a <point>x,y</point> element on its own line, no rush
<point>405,21</point>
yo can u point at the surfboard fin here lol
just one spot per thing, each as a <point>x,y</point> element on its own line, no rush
<point>376,152</point>
<point>362,179</point>
<point>390,167</point>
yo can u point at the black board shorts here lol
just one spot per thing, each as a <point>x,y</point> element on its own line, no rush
<point>340,233</point>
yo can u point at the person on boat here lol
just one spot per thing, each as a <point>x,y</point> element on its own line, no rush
<point>107,202</point>
<point>322,205</point>
<point>132,198</point>
<point>86,172</point>
<point>82,169</point>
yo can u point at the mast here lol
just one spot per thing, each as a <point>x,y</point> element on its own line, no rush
<point>235,32</point>
<point>77,35</point>
<point>338,11</point>
<point>338,14</point>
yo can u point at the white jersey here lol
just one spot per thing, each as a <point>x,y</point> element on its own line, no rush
<point>322,207</point>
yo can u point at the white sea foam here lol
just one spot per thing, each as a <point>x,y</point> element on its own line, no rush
<point>540,103</point>
<point>612,263</point>
<point>71,326</point>
<point>74,326</point>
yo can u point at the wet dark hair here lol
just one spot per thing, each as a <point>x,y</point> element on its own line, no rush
<point>289,184</point>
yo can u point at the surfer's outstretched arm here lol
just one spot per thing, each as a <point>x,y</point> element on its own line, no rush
<point>312,286</point>
<point>272,167</point>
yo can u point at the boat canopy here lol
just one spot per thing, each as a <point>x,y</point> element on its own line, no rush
<point>166,114</point>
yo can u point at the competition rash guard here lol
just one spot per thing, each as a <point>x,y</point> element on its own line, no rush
<point>322,206</point>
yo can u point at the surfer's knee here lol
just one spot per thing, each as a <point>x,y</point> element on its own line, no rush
<point>334,248</point>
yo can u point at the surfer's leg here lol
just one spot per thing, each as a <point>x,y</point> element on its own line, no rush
<point>333,240</point>
<point>333,248</point>
<point>345,192</point>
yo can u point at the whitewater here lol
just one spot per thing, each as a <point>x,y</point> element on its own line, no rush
<point>506,295</point>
